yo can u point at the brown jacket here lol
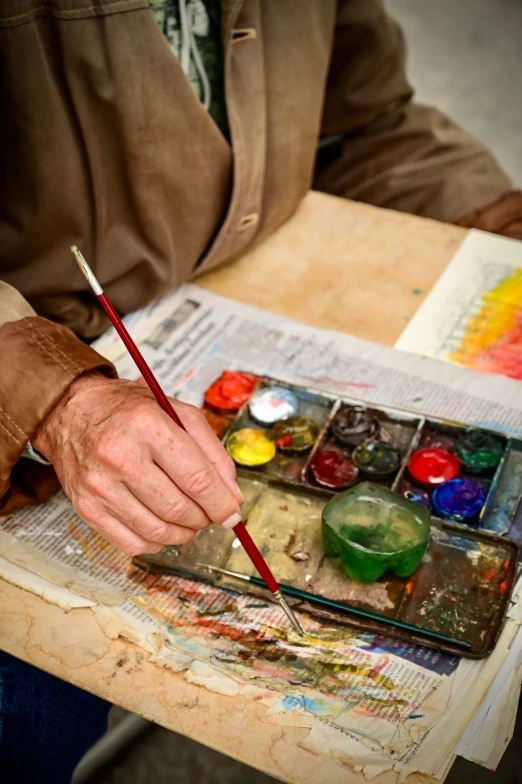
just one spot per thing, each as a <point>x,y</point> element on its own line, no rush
<point>105,145</point>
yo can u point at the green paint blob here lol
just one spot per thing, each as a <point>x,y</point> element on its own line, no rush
<point>371,529</point>
<point>478,452</point>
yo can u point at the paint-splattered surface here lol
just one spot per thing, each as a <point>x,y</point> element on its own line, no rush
<point>352,681</point>
<point>461,588</point>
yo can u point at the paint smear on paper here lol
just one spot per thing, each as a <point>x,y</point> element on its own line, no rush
<point>492,340</point>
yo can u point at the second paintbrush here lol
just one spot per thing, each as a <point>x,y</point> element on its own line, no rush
<point>330,604</point>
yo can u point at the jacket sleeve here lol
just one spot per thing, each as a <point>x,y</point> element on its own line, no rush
<point>39,360</point>
<point>391,151</point>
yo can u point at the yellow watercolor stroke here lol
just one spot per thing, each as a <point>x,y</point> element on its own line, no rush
<point>496,317</point>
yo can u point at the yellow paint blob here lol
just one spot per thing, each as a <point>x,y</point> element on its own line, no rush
<point>250,447</point>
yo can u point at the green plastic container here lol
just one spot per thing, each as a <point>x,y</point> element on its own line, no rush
<point>371,529</point>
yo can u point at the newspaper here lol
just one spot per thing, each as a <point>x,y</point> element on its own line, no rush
<point>473,314</point>
<point>188,338</point>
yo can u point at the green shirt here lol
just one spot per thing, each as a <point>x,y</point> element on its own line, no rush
<point>193,31</point>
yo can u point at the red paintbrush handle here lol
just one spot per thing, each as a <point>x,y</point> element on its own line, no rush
<point>239,530</point>
<point>137,356</point>
<point>256,557</point>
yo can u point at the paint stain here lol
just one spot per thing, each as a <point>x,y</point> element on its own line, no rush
<point>417,292</point>
<point>300,556</point>
<point>492,340</point>
<point>229,608</point>
<point>362,672</point>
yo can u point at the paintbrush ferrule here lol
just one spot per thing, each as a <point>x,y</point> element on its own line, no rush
<point>87,271</point>
<point>227,572</point>
<point>289,613</point>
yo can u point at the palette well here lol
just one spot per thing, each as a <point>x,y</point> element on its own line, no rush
<point>462,587</point>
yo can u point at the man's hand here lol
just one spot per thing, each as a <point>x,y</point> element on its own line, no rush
<point>131,473</point>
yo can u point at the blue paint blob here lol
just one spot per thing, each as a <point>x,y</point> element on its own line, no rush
<point>458,499</point>
<point>289,703</point>
<point>417,496</point>
<point>310,705</point>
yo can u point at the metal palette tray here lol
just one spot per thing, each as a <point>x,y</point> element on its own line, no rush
<point>463,585</point>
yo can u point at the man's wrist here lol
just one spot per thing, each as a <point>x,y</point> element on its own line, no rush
<point>41,441</point>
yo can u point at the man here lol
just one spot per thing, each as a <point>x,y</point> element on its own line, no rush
<point>165,138</point>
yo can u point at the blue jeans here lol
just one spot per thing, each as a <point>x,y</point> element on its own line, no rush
<point>46,725</point>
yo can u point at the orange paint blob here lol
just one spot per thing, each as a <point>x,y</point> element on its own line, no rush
<point>230,391</point>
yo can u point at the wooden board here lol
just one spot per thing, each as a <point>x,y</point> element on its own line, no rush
<point>368,269</point>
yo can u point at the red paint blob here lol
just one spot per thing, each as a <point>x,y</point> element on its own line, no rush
<point>230,391</point>
<point>334,469</point>
<point>284,441</point>
<point>433,466</point>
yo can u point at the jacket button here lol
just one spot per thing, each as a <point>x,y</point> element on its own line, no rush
<point>248,221</point>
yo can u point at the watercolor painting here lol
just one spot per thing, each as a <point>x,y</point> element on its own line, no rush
<point>492,339</point>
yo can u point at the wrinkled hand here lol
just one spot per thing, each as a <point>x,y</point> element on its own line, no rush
<point>131,473</point>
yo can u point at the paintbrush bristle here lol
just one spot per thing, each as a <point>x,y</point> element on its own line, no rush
<point>289,613</point>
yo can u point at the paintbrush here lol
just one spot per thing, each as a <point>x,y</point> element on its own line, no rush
<point>239,530</point>
<point>330,604</point>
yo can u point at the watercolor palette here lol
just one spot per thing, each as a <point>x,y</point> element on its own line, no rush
<point>464,582</point>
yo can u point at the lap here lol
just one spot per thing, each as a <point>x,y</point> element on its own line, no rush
<point>46,724</point>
